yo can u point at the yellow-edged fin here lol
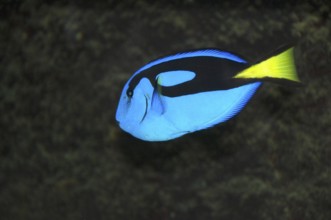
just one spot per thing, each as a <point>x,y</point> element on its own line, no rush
<point>280,66</point>
<point>158,84</point>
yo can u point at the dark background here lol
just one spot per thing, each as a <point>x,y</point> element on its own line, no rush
<point>62,156</point>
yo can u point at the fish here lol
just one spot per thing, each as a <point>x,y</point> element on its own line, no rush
<point>193,90</point>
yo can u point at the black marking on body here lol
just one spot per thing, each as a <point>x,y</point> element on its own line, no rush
<point>212,74</point>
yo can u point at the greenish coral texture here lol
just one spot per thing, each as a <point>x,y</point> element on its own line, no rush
<point>62,155</point>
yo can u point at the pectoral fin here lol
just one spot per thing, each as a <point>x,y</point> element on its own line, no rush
<point>157,104</point>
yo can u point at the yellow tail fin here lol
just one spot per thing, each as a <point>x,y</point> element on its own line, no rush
<point>280,66</point>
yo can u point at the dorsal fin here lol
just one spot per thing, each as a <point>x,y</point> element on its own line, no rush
<point>194,53</point>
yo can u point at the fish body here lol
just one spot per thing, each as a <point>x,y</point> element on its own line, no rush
<point>194,90</point>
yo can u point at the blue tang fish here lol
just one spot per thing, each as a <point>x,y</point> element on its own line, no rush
<point>186,92</point>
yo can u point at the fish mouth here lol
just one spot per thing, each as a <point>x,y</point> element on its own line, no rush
<point>145,109</point>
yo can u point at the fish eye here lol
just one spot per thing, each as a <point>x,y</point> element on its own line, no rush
<point>129,93</point>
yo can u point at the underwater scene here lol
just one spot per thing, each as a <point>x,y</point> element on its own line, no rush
<point>165,110</point>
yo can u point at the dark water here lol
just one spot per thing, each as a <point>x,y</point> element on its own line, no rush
<point>62,156</point>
